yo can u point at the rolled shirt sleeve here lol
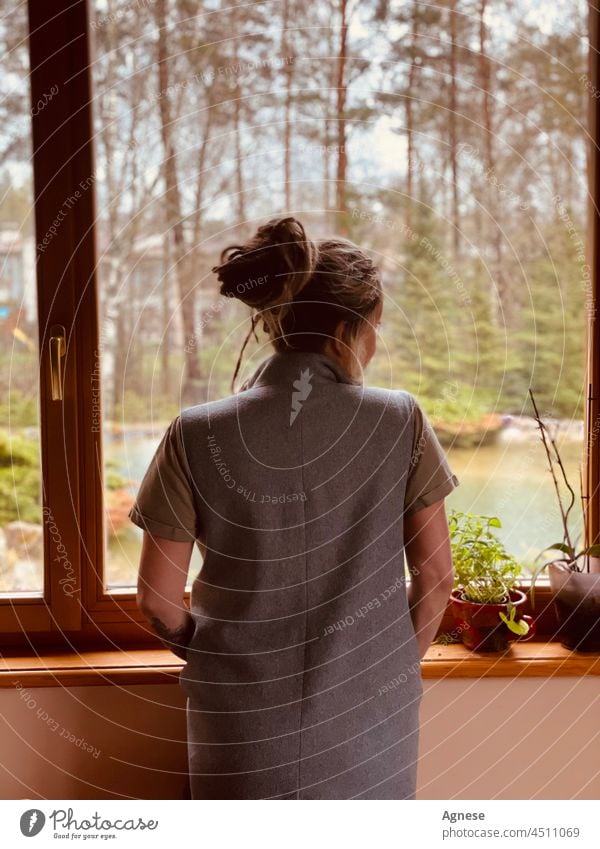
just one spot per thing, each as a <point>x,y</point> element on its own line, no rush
<point>430,477</point>
<point>164,504</point>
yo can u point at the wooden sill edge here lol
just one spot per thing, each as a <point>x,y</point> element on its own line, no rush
<point>536,659</point>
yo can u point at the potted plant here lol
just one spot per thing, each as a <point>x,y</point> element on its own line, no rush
<point>485,602</point>
<point>574,576</point>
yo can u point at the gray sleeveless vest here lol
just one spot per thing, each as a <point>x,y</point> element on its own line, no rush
<point>303,678</point>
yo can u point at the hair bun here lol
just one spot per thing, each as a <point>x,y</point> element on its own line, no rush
<point>271,268</point>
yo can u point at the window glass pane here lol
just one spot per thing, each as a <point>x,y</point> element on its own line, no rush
<point>21,554</point>
<point>490,285</point>
<point>457,160</point>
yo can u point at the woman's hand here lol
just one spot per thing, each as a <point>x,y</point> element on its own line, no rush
<point>429,557</point>
<point>162,578</point>
<point>175,638</point>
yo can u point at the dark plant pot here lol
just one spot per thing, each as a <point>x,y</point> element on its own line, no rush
<point>480,625</point>
<point>576,597</point>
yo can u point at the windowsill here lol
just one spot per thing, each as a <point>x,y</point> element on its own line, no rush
<point>160,666</point>
<point>534,659</point>
<point>89,668</point>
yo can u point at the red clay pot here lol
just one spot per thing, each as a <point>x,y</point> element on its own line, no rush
<point>480,625</point>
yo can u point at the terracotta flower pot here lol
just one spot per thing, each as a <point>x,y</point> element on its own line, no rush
<point>480,625</point>
<point>577,605</point>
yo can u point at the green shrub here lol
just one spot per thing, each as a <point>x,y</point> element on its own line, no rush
<point>19,479</point>
<point>19,408</point>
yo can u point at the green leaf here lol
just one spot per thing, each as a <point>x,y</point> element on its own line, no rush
<point>593,551</point>
<point>535,575</point>
<point>521,627</point>
<point>495,522</point>
<point>538,570</point>
<point>561,546</point>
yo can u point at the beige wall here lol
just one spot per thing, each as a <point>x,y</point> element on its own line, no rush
<point>138,730</point>
<point>493,738</point>
<point>510,738</point>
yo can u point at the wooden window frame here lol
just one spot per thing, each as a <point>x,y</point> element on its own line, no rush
<point>592,384</point>
<point>85,616</point>
<point>56,268</point>
<point>76,613</point>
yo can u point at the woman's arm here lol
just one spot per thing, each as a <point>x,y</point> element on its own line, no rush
<point>162,577</point>
<point>429,557</point>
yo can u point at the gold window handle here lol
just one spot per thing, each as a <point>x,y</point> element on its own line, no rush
<point>58,347</point>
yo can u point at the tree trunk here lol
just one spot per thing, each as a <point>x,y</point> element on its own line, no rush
<point>330,132</point>
<point>408,106</point>
<point>500,299</point>
<point>165,352</point>
<point>110,341</point>
<point>287,134</point>
<point>237,119</point>
<point>342,94</point>
<point>453,107</point>
<point>173,209</point>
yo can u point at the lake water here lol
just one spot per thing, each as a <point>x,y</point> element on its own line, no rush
<point>511,480</point>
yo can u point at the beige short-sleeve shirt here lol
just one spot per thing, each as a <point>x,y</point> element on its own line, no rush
<point>430,477</point>
<point>165,506</point>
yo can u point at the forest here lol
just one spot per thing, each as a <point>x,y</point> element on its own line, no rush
<point>448,140</point>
